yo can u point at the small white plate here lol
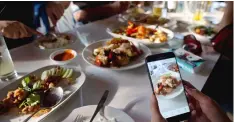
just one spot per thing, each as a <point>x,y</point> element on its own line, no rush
<point>146,42</point>
<point>71,41</point>
<point>87,55</point>
<point>203,39</point>
<point>109,113</point>
<point>179,89</point>
<point>52,55</point>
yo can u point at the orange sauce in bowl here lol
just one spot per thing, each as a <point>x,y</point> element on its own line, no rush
<point>66,55</point>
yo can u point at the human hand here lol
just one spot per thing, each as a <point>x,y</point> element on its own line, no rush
<point>156,115</point>
<point>203,108</point>
<point>54,11</point>
<point>15,30</point>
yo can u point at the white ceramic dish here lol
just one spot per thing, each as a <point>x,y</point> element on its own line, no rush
<point>78,76</point>
<point>179,89</point>
<point>87,55</point>
<point>52,55</point>
<point>109,113</point>
<point>71,34</point>
<point>203,39</point>
<point>146,42</point>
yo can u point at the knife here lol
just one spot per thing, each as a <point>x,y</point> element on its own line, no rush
<point>100,104</point>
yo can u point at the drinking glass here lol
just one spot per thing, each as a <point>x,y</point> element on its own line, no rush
<point>157,8</point>
<point>7,70</point>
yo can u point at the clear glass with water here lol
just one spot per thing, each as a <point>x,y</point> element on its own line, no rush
<point>7,70</point>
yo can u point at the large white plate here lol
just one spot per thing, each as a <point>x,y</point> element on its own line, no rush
<point>179,89</point>
<point>87,55</point>
<point>69,91</point>
<point>71,34</point>
<point>146,42</point>
<point>203,39</point>
<point>109,113</point>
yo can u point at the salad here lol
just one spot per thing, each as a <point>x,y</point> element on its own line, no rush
<point>204,31</point>
<point>27,97</point>
<point>141,32</point>
<point>116,53</point>
<point>166,84</point>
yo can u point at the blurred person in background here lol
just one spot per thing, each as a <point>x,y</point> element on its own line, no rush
<point>19,20</point>
<point>219,85</point>
<point>88,11</point>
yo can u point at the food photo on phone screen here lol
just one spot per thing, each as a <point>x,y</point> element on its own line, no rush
<point>168,87</point>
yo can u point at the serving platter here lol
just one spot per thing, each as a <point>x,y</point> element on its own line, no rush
<point>87,55</point>
<point>78,77</point>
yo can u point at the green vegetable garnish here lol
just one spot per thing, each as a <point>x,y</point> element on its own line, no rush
<point>37,85</point>
<point>31,100</point>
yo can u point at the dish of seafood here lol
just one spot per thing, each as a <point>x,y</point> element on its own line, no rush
<point>115,54</point>
<point>142,32</point>
<point>149,35</point>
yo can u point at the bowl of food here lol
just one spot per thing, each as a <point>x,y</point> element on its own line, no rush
<point>202,33</point>
<point>151,36</point>
<point>168,85</point>
<point>57,40</point>
<point>115,54</point>
<point>63,56</point>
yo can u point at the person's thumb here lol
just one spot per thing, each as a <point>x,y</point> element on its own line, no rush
<point>156,115</point>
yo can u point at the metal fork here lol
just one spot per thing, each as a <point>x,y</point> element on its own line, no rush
<point>79,118</point>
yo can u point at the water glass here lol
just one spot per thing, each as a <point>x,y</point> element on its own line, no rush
<point>7,70</point>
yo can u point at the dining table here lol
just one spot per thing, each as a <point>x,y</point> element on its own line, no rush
<point>130,90</point>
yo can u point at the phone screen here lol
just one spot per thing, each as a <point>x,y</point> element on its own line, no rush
<point>168,87</point>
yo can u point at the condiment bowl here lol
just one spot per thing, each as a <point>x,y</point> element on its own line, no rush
<point>61,56</point>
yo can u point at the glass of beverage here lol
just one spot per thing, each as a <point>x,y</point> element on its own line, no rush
<point>7,70</point>
<point>157,8</point>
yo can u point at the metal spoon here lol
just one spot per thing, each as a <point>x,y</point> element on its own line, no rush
<point>50,99</point>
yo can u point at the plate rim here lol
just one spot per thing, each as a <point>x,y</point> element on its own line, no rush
<point>108,107</point>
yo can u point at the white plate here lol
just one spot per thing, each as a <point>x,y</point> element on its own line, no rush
<point>202,39</point>
<point>146,42</point>
<point>87,55</point>
<point>179,89</point>
<point>109,113</point>
<point>78,76</point>
<point>71,41</point>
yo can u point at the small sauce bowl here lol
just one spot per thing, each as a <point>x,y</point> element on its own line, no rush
<point>63,56</point>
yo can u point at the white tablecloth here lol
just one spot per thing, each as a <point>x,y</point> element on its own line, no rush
<point>125,87</point>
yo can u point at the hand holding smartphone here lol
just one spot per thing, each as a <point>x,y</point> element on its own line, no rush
<point>166,83</point>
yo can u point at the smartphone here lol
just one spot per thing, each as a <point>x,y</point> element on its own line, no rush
<point>166,83</point>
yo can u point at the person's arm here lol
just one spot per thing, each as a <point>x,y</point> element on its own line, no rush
<point>15,30</point>
<point>227,17</point>
<point>90,14</point>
